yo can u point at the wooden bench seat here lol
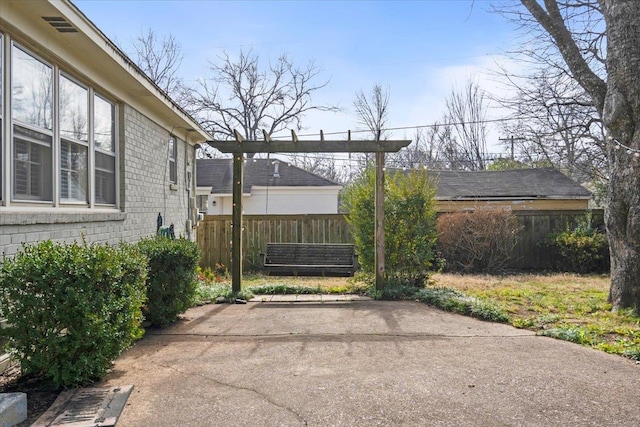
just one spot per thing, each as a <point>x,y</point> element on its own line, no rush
<point>309,259</point>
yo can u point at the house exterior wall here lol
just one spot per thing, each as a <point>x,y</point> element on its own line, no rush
<point>147,187</point>
<point>144,122</point>
<point>280,201</point>
<point>145,191</point>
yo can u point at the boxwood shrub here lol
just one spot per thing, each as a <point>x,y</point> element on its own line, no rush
<point>71,309</point>
<point>171,281</point>
<point>579,251</point>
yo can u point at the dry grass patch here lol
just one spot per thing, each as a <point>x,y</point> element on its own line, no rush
<point>566,306</point>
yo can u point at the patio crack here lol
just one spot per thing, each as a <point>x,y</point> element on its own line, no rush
<point>237,387</point>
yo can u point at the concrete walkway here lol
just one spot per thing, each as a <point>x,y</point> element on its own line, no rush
<point>366,363</point>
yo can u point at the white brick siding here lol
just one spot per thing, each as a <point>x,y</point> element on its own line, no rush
<point>144,192</point>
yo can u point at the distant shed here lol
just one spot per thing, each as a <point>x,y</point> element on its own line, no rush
<point>545,189</point>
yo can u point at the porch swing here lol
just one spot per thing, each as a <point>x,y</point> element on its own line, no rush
<point>240,147</point>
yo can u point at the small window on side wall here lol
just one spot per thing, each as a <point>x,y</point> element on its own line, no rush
<point>173,151</point>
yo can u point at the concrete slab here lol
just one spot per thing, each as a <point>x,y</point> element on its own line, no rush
<point>13,409</point>
<point>366,363</point>
<point>308,298</point>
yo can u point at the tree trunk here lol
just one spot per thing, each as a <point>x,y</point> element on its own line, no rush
<point>621,116</point>
<point>618,103</point>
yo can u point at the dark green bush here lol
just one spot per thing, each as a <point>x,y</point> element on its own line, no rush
<point>409,224</point>
<point>71,309</point>
<point>171,282</point>
<point>582,250</point>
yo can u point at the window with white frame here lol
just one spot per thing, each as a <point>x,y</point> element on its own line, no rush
<point>63,137</point>
<point>74,140</point>
<point>105,150</point>
<point>173,152</point>
<point>1,112</point>
<point>32,112</point>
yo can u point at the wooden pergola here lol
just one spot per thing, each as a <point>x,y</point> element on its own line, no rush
<point>240,147</point>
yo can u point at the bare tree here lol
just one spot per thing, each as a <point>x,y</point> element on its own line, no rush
<point>431,147</point>
<point>242,96</point>
<point>612,82</point>
<point>372,113</point>
<point>466,114</point>
<point>324,165</point>
<point>557,124</point>
<point>160,59</point>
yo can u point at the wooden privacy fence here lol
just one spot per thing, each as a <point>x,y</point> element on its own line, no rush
<point>214,235</point>
<point>536,226</point>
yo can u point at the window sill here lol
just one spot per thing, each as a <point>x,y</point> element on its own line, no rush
<point>28,216</point>
<point>173,187</point>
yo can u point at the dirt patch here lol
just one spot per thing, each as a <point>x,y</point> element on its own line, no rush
<point>40,395</point>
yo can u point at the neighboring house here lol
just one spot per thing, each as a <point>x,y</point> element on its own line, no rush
<point>520,189</point>
<point>90,147</point>
<point>270,186</point>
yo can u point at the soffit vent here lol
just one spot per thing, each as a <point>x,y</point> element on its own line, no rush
<point>60,24</point>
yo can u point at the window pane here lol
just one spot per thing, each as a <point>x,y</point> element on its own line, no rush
<point>173,173</point>
<point>1,62</point>
<point>32,165</point>
<point>105,179</point>
<point>73,172</point>
<point>103,124</point>
<point>74,110</point>
<point>1,110</point>
<point>31,90</point>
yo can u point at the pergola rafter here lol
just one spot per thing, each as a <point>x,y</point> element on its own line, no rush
<point>240,147</point>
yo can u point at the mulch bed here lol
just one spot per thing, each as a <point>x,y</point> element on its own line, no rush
<point>40,395</point>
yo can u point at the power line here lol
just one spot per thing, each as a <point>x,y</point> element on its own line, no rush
<point>434,125</point>
<point>620,145</point>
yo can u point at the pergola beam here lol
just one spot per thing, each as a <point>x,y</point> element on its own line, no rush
<point>309,146</point>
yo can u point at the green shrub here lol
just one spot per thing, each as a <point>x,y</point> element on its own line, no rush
<point>207,293</point>
<point>478,241</point>
<point>171,282</point>
<point>409,223</point>
<point>71,309</point>
<point>581,250</point>
<point>456,302</point>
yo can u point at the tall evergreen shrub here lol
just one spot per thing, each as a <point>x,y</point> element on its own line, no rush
<point>409,223</point>
<point>171,282</point>
<point>71,309</point>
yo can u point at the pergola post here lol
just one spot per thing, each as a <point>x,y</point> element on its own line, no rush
<point>236,224</point>
<point>379,214</point>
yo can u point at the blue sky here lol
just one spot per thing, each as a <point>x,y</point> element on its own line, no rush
<point>419,49</point>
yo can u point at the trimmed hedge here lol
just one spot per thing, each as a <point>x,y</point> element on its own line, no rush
<point>171,281</point>
<point>71,309</point>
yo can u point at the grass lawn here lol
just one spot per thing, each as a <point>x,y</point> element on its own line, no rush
<point>565,306</point>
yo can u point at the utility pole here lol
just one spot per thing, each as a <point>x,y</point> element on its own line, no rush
<point>512,139</point>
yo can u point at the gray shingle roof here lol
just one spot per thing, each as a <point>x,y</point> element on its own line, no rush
<point>218,174</point>
<point>519,183</point>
